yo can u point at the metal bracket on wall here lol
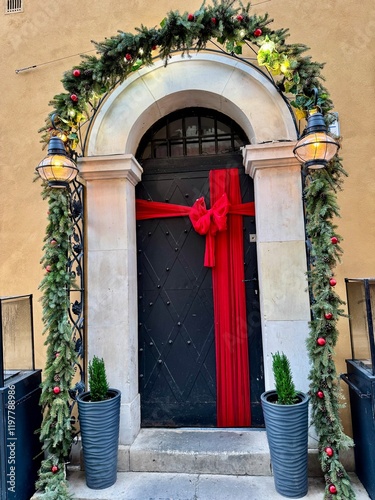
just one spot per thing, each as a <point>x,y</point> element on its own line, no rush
<point>77,296</point>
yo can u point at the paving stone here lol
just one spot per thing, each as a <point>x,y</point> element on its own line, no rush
<point>167,486</point>
<point>198,464</point>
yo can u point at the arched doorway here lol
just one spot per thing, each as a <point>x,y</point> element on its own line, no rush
<point>178,368</point>
<point>111,173</point>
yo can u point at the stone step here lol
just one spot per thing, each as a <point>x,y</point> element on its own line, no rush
<point>201,451</point>
<point>204,464</point>
<point>169,486</point>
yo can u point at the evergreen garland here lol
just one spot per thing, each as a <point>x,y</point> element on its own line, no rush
<point>222,22</point>
<point>321,207</point>
<point>295,75</point>
<point>56,430</point>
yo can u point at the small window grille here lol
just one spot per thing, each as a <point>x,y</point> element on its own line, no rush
<point>13,6</point>
<point>191,132</point>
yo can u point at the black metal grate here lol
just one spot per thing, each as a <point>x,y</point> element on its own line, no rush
<point>191,132</point>
<point>13,6</point>
<point>76,266</point>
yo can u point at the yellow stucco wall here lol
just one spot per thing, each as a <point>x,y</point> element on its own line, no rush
<point>49,35</point>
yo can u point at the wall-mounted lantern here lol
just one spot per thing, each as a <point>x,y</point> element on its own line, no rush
<point>57,168</point>
<point>316,147</point>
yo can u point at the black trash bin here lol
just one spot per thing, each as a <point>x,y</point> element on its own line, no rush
<point>20,413</point>
<point>20,417</point>
<point>360,377</point>
<point>362,401</point>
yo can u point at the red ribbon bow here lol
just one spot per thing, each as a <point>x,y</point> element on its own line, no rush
<point>209,222</point>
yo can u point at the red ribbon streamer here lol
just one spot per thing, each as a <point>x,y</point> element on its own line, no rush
<point>205,221</point>
<point>231,342</point>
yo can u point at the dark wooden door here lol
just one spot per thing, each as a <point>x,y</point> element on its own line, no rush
<point>176,336</point>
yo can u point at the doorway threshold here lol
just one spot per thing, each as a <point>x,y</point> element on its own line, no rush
<point>201,451</point>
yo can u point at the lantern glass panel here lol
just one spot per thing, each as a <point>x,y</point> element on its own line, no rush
<point>57,168</point>
<point>315,146</point>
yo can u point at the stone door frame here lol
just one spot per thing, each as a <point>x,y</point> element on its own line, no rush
<point>111,173</point>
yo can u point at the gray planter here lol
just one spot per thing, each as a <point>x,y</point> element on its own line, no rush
<point>287,434</point>
<point>100,423</point>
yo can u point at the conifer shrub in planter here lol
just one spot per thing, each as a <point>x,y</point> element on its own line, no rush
<point>286,418</point>
<point>99,416</point>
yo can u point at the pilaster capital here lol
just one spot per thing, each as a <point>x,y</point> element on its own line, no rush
<point>123,166</point>
<point>269,155</point>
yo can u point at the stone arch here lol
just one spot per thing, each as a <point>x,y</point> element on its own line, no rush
<point>220,82</point>
<point>111,172</point>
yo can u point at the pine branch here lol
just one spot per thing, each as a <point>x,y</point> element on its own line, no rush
<point>230,25</point>
<point>56,430</point>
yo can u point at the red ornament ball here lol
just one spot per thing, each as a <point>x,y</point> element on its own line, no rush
<point>334,240</point>
<point>128,57</point>
<point>239,18</point>
<point>328,451</point>
<point>258,32</point>
<point>53,242</point>
<point>332,282</point>
<point>321,341</point>
<point>57,354</point>
<point>56,390</point>
<point>54,469</point>
<point>76,73</point>
<point>213,20</point>
<point>320,394</point>
<point>154,47</point>
<point>74,97</point>
<point>48,268</point>
<point>191,17</point>
<point>328,315</point>
<point>332,489</point>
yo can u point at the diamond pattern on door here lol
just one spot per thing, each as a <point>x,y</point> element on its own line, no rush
<point>177,352</point>
<point>176,329</point>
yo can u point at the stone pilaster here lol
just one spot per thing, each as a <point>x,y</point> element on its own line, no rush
<point>282,266</point>
<point>112,277</point>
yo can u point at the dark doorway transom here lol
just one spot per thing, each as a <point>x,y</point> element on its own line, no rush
<point>191,132</point>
